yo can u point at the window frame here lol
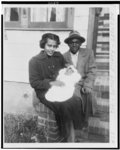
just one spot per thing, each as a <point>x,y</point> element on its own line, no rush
<point>13,24</point>
<point>66,25</point>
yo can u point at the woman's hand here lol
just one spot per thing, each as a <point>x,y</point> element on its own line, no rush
<point>57,83</point>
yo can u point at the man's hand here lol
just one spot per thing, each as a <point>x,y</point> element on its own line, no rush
<point>86,90</point>
<point>57,83</point>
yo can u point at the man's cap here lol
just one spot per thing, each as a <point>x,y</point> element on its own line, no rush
<point>74,34</point>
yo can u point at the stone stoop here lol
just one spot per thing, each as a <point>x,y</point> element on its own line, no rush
<point>98,129</point>
<point>99,124</point>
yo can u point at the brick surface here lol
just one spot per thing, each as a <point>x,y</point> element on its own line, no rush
<point>53,129</point>
<point>53,135</point>
<point>46,118</point>
<point>57,140</point>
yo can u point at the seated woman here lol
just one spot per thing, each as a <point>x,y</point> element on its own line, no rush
<point>69,76</point>
<point>43,71</point>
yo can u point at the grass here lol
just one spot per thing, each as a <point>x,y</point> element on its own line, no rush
<point>22,128</point>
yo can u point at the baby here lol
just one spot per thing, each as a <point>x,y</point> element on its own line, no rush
<point>69,76</point>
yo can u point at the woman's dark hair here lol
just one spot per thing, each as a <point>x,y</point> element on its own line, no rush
<point>51,36</point>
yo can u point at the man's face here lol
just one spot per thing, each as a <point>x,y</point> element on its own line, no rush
<point>74,45</point>
<point>50,47</point>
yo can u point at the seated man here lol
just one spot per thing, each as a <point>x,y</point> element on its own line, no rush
<point>83,60</point>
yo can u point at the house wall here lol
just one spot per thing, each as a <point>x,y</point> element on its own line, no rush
<point>21,45</point>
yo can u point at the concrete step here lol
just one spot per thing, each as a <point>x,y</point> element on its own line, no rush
<point>102,82</point>
<point>98,127</point>
<point>101,86</point>
<point>97,138</point>
<point>102,116</point>
<point>102,66</point>
<point>84,137</point>
<point>102,109</point>
<point>98,130</point>
<point>102,105</point>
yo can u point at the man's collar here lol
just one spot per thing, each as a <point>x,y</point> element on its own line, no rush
<point>82,51</point>
<point>76,54</point>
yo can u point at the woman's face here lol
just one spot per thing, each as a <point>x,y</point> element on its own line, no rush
<point>50,47</point>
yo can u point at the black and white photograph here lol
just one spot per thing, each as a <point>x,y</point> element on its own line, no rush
<point>60,75</point>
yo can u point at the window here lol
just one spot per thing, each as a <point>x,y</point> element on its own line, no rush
<point>12,14</point>
<point>12,17</point>
<point>39,18</point>
<point>50,14</point>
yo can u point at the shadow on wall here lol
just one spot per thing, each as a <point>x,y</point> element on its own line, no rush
<point>17,98</point>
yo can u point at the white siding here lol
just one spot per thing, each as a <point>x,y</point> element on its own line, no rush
<point>20,46</point>
<point>81,21</point>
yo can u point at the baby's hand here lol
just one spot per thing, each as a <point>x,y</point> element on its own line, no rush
<point>57,83</point>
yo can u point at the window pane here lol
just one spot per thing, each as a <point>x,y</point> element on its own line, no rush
<point>12,14</point>
<point>47,14</point>
<point>56,14</point>
<point>38,15</point>
<point>51,14</point>
<point>60,13</point>
<point>24,11</point>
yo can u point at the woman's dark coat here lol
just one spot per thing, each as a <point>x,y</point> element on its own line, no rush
<point>42,70</point>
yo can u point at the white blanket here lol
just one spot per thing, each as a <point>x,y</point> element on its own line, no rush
<point>63,93</point>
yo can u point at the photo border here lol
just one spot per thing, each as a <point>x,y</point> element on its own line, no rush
<point>2,69</point>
